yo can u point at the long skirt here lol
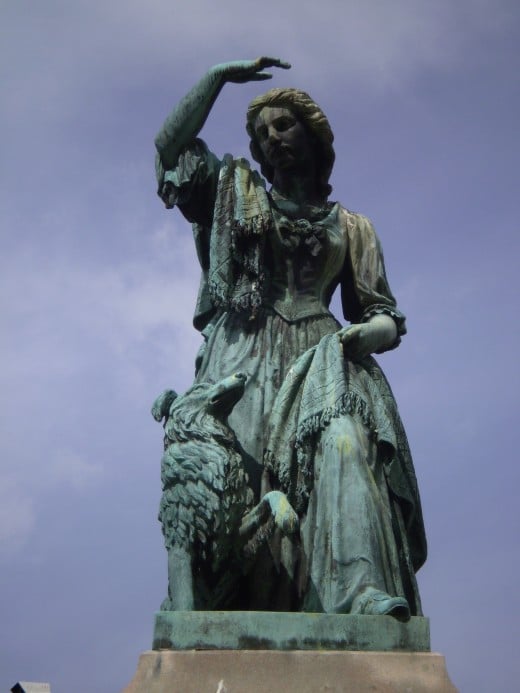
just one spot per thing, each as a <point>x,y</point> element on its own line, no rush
<point>353,538</point>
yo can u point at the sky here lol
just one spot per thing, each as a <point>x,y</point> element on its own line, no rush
<point>98,285</point>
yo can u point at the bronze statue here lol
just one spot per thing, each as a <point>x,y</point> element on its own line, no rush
<point>317,419</point>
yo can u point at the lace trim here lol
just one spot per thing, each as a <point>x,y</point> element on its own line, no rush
<point>396,315</point>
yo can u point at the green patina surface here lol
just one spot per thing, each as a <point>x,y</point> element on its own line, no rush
<point>313,418</point>
<point>253,630</point>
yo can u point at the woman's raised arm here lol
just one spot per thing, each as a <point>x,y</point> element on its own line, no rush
<point>187,118</point>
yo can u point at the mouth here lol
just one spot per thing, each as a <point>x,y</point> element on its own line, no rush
<point>279,151</point>
<point>227,393</point>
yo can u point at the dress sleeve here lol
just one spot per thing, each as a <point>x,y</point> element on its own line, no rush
<point>364,286</point>
<point>191,185</point>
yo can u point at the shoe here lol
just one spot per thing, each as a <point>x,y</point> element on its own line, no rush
<point>373,602</point>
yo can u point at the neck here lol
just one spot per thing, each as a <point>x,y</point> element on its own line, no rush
<point>298,188</point>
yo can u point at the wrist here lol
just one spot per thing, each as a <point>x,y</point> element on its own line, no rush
<point>216,73</point>
<point>383,332</point>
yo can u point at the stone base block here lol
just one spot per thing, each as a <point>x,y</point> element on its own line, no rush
<point>261,671</point>
<point>277,630</point>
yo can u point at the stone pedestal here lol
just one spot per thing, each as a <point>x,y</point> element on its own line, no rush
<point>261,671</point>
<point>257,652</point>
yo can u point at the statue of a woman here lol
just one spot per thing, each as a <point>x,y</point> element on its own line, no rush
<point>317,419</point>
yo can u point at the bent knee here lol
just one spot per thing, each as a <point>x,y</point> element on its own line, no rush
<point>346,438</point>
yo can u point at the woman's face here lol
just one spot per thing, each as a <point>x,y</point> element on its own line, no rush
<point>283,139</point>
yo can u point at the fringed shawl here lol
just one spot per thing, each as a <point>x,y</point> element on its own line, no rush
<point>241,220</point>
<point>320,386</point>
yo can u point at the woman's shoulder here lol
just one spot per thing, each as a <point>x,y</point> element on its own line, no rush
<point>354,222</point>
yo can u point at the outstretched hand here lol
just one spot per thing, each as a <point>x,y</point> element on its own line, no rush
<point>241,71</point>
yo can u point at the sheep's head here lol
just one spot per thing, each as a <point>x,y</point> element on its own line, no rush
<point>203,410</point>
<point>161,406</point>
<point>224,395</point>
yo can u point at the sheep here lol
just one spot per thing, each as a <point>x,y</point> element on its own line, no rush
<point>209,523</point>
<point>206,508</point>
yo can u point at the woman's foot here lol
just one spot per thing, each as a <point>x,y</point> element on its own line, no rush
<point>372,602</point>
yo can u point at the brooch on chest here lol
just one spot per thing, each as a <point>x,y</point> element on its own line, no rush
<point>296,234</point>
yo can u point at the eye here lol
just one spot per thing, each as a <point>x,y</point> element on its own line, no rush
<point>284,123</point>
<point>261,132</point>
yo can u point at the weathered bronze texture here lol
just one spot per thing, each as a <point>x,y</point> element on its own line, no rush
<point>285,398</point>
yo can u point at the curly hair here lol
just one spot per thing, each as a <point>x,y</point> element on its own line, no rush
<point>311,116</point>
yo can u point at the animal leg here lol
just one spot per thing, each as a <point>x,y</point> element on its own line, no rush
<point>180,579</point>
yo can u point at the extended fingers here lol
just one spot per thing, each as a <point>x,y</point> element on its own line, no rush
<point>241,71</point>
<point>266,61</point>
<point>260,76</point>
<point>252,77</point>
<point>350,333</point>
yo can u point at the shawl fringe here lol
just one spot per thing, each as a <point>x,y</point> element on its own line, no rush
<point>298,483</point>
<point>241,220</point>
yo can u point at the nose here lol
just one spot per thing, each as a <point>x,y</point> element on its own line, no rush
<point>272,134</point>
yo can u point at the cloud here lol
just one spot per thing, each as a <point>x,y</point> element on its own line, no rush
<point>59,300</point>
<point>69,468</point>
<point>17,514</point>
<point>23,489</point>
<point>88,344</point>
<point>57,57</point>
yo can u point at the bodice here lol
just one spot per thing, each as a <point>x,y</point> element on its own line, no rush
<point>305,260</point>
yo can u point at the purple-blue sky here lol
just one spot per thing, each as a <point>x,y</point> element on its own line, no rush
<point>99,281</point>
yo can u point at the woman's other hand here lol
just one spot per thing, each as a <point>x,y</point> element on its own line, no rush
<point>362,339</point>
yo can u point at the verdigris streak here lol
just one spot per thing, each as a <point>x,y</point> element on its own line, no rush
<point>288,483</point>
